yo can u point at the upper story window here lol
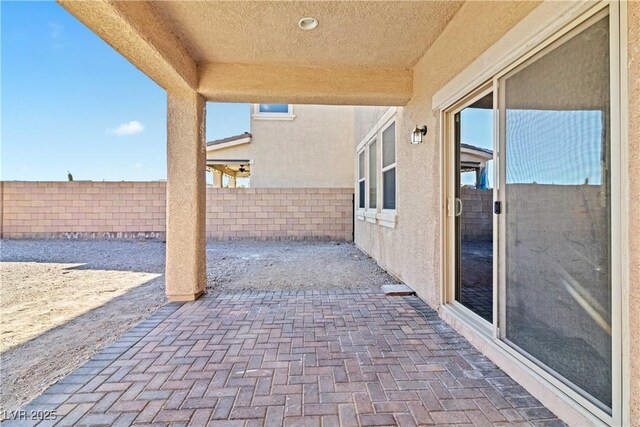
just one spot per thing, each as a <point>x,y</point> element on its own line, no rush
<point>273,108</point>
<point>273,112</point>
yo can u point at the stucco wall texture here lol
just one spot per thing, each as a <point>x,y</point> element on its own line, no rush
<point>417,232</point>
<point>100,210</point>
<point>185,265</point>
<point>311,151</point>
<point>416,236</point>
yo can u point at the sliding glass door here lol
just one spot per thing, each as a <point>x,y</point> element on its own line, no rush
<point>556,221</point>
<point>474,136</point>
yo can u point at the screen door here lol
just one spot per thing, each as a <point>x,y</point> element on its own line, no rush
<point>556,210</point>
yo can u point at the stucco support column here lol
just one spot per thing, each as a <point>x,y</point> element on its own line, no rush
<point>232,181</point>
<point>185,270</point>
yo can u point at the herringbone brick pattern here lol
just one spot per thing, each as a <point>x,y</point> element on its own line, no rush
<point>322,358</point>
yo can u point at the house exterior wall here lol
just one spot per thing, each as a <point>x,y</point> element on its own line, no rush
<point>411,250</point>
<point>131,210</point>
<point>311,151</point>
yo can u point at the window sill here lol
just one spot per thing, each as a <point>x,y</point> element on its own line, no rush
<point>387,219</point>
<point>360,214</point>
<point>276,116</point>
<point>370,216</point>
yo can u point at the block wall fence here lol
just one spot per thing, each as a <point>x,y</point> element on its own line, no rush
<point>477,218</point>
<point>104,210</point>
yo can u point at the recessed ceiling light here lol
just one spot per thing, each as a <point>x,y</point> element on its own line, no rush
<point>307,23</point>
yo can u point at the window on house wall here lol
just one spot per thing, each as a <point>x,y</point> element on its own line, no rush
<point>273,112</point>
<point>377,172</point>
<point>373,175</point>
<point>273,108</point>
<point>389,167</point>
<point>361,180</point>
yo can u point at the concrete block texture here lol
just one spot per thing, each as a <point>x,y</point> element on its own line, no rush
<point>137,210</point>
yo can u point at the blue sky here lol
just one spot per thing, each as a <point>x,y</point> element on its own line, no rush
<point>477,129</point>
<point>70,102</point>
<point>544,146</point>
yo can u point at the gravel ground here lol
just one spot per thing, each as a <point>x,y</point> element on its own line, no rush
<point>61,301</point>
<point>238,266</point>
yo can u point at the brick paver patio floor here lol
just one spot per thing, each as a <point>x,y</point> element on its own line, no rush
<point>292,358</point>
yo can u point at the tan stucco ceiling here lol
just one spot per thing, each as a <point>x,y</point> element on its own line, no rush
<point>350,33</point>
<point>362,53</point>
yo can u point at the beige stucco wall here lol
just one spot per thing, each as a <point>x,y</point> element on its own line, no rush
<point>313,150</point>
<point>365,119</point>
<point>411,251</point>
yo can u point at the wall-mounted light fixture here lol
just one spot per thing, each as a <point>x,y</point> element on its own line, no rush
<point>416,135</point>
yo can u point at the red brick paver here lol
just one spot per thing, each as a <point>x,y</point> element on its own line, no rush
<point>349,358</point>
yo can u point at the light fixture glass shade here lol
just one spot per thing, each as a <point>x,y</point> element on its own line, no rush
<point>416,135</point>
<point>308,23</point>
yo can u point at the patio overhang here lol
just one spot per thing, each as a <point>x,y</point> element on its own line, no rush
<point>305,85</point>
<point>362,53</point>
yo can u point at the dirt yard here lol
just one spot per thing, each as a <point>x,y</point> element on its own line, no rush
<point>238,266</point>
<point>61,301</point>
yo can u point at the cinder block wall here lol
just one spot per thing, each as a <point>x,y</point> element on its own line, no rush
<point>86,210</point>
<point>280,213</point>
<point>477,214</point>
<point>83,209</point>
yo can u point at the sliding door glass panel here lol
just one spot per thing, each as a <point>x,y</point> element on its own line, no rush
<point>474,207</point>
<point>558,211</point>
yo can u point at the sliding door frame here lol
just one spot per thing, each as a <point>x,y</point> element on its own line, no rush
<point>619,223</point>
<point>450,180</point>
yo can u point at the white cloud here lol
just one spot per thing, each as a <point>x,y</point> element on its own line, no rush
<point>128,128</point>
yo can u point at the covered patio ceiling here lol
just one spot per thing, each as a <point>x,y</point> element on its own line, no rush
<point>361,53</point>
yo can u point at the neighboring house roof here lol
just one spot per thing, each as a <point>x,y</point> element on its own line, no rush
<point>480,152</point>
<point>230,141</point>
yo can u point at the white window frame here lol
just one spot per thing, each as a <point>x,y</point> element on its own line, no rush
<point>383,217</point>
<point>387,217</point>
<point>258,115</point>
<point>370,214</point>
<point>360,211</point>
<point>545,25</point>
